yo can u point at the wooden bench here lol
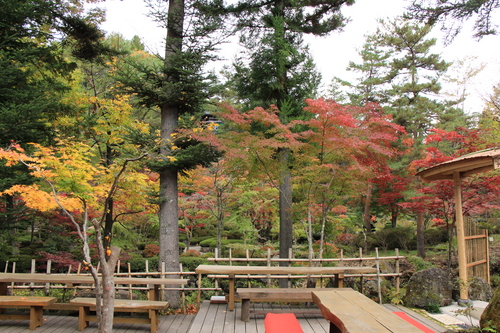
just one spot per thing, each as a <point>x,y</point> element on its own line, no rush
<point>86,305</point>
<point>282,322</point>
<point>247,295</point>
<point>35,304</point>
<point>352,312</point>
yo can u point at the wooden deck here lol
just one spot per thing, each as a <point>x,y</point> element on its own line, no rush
<point>212,318</point>
<point>69,324</point>
<point>215,318</point>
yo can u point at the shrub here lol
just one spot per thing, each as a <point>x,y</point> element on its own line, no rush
<point>212,242</point>
<point>151,250</point>
<point>435,236</point>
<point>495,281</point>
<point>345,239</point>
<point>495,260</point>
<point>189,264</point>
<point>191,253</point>
<point>137,263</point>
<point>419,263</point>
<point>197,240</point>
<point>60,261</point>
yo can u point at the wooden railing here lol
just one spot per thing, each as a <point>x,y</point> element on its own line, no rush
<point>269,260</point>
<point>362,260</point>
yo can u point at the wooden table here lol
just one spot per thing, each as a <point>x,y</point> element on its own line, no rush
<point>72,279</point>
<point>232,271</point>
<point>352,312</point>
<point>35,304</point>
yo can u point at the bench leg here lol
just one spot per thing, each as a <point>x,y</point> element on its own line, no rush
<point>341,280</point>
<point>83,312</point>
<point>36,316</point>
<point>245,309</point>
<point>231,292</point>
<point>334,329</point>
<point>153,316</point>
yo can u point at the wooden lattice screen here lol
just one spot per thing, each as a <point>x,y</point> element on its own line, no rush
<point>477,250</point>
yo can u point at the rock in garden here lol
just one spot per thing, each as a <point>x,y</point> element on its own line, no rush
<point>427,288</point>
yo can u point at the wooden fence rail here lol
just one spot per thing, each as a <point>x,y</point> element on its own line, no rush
<point>340,261</point>
<point>270,260</point>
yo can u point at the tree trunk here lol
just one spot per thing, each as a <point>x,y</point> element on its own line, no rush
<point>285,202</point>
<point>108,292</point>
<point>169,221</point>
<point>368,202</point>
<point>420,235</point>
<point>394,216</point>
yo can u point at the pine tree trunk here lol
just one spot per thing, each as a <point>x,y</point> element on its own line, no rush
<point>169,222</point>
<point>285,202</point>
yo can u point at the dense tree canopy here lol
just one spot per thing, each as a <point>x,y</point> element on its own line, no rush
<point>82,106</point>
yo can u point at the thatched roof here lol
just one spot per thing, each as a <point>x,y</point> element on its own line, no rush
<point>481,161</point>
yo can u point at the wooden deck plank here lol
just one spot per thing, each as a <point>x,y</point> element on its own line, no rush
<point>209,321</point>
<point>197,323</point>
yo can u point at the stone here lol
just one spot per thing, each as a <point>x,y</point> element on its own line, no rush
<point>428,288</point>
<point>491,315</point>
<point>479,289</point>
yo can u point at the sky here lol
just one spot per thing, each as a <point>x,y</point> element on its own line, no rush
<point>333,53</point>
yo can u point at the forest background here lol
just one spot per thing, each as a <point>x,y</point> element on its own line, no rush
<point>151,153</point>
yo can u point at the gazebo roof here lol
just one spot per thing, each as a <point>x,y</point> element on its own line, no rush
<point>481,161</point>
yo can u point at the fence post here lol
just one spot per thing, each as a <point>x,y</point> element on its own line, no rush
<point>47,285</point>
<point>32,285</point>
<point>361,278</point>
<point>397,271</point>
<point>129,286</point>
<point>247,255</point>
<point>378,275</point>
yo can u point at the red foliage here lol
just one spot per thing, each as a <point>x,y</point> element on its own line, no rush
<point>60,261</point>
<point>151,250</point>
<point>345,239</point>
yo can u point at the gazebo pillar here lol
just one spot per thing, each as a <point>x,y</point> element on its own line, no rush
<point>462,258</point>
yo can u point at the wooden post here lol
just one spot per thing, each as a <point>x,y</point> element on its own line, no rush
<point>378,276</point>
<point>47,285</point>
<point>397,271</point>
<point>198,299</point>
<point>130,296</point>
<point>290,256</point>
<point>32,285</point>
<point>247,254</point>
<point>268,265</point>
<point>462,259</point>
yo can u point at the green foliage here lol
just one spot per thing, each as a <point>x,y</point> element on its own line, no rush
<point>189,264</point>
<point>189,155</point>
<point>198,240</point>
<point>138,263</point>
<point>495,281</point>
<point>212,242</point>
<point>435,236</point>
<point>432,308</point>
<point>419,263</point>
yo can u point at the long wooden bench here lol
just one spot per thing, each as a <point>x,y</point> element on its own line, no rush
<point>86,305</point>
<point>352,312</point>
<point>247,295</point>
<point>35,304</point>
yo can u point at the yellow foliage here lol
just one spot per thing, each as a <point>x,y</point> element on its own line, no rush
<point>41,200</point>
